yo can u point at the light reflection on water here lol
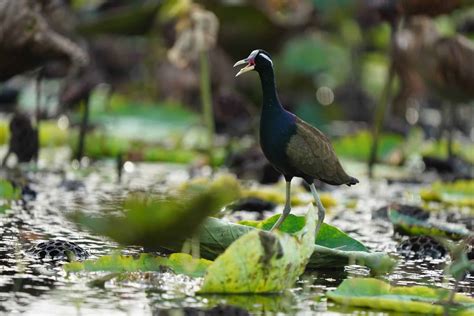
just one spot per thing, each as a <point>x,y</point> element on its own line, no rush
<point>33,288</point>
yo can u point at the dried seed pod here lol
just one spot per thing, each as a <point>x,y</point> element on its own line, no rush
<point>287,12</point>
<point>197,32</point>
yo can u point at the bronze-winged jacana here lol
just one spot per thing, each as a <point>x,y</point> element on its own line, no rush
<point>293,147</point>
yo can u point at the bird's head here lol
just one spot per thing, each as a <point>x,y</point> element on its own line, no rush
<point>258,60</point>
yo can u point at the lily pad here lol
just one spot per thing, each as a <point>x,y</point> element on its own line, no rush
<point>262,262</point>
<point>276,194</point>
<point>216,235</point>
<point>379,295</point>
<point>180,263</point>
<point>411,226</point>
<point>329,236</point>
<point>459,193</point>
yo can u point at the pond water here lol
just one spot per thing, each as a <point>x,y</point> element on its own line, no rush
<point>31,287</point>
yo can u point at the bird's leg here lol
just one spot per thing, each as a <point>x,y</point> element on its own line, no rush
<point>195,247</point>
<point>451,115</point>
<point>83,130</point>
<point>321,210</point>
<point>286,209</point>
<point>192,246</point>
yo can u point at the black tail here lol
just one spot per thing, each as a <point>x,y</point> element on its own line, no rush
<point>352,181</point>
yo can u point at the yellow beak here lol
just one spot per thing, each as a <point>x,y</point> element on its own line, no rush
<point>247,68</point>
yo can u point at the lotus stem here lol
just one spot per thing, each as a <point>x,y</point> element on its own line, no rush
<point>379,118</point>
<point>206,100</point>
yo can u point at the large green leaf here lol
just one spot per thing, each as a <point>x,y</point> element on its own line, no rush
<point>180,263</point>
<point>151,221</point>
<point>379,295</point>
<point>329,236</point>
<point>216,235</point>
<point>262,262</point>
<point>412,226</point>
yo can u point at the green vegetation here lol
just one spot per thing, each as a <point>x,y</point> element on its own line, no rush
<point>179,263</point>
<point>412,226</point>
<point>157,220</point>
<point>262,262</point>
<point>8,193</point>
<point>217,235</point>
<point>379,295</point>
<point>458,193</point>
<point>329,236</point>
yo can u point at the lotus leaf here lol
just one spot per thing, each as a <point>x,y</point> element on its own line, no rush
<point>379,295</point>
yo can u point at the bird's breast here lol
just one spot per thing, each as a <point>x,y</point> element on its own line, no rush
<point>275,133</point>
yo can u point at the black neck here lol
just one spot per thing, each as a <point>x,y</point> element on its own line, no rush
<point>270,96</point>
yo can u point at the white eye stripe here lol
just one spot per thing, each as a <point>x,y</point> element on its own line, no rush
<point>267,58</point>
<point>253,53</point>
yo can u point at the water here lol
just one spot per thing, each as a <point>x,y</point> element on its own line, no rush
<point>34,288</point>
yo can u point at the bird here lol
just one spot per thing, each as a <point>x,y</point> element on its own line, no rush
<point>443,62</point>
<point>291,145</point>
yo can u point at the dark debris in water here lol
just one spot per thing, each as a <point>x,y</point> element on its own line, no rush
<point>421,247</point>
<point>404,209</point>
<point>227,310</point>
<point>253,204</point>
<point>58,249</point>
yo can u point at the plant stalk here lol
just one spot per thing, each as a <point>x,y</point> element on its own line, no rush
<point>206,100</point>
<point>379,118</point>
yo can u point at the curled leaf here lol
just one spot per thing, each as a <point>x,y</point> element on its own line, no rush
<point>262,262</point>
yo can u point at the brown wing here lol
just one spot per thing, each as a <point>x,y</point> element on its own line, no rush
<point>311,152</point>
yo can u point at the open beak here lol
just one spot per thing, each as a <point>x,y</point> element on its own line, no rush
<point>250,66</point>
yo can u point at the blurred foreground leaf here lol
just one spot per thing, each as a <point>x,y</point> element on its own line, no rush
<point>262,262</point>
<point>412,226</point>
<point>155,221</point>
<point>379,295</point>
<point>8,193</point>
<point>180,263</point>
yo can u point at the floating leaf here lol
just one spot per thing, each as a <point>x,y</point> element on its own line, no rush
<point>216,235</point>
<point>379,295</point>
<point>262,262</point>
<point>412,226</point>
<point>460,193</point>
<point>155,221</point>
<point>180,263</point>
<point>276,194</point>
<point>329,236</point>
